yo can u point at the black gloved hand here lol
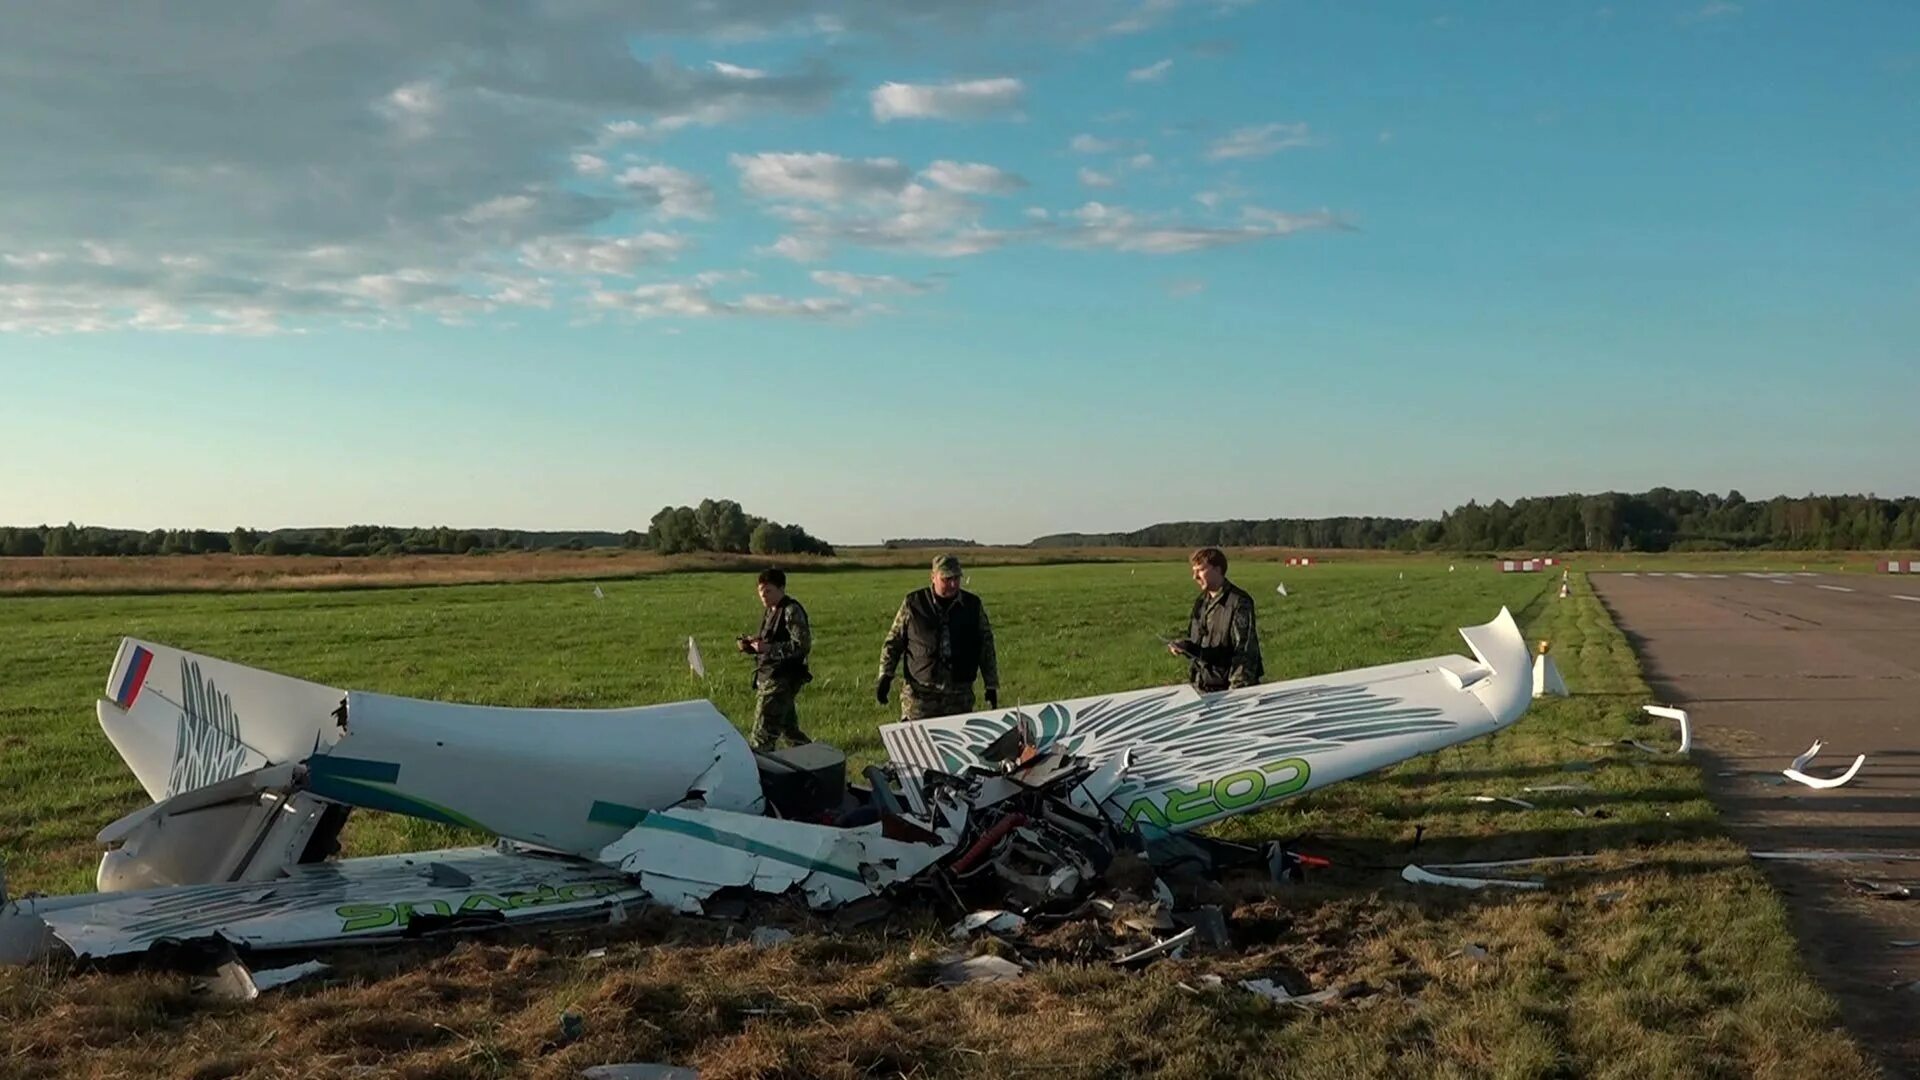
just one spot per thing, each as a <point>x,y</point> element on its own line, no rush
<point>1186,648</point>
<point>880,688</point>
<point>993,698</point>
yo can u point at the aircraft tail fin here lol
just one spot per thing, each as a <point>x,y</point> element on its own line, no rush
<point>182,721</point>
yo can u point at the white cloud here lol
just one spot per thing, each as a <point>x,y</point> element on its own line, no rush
<point>1140,161</point>
<point>1094,179</point>
<point>1096,225</point>
<point>921,219</point>
<point>1280,223</point>
<point>1717,9</point>
<point>841,281</point>
<point>1186,287</point>
<point>972,178</point>
<point>601,254</point>
<point>798,248</point>
<point>1213,198</point>
<point>674,193</point>
<point>695,298</point>
<point>974,99</point>
<point>826,178</point>
<point>1084,143</point>
<point>361,162</point>
<point>1259,141</point>
<point>1148,15</point>
<point>1154,72</point>
<point>868,203</point>
<point>421,158</point>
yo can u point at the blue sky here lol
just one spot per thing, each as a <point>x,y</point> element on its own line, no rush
<point>995,270</point>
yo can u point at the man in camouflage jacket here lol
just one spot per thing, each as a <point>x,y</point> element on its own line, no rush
<point>780,670</point>
<point>942,634</point>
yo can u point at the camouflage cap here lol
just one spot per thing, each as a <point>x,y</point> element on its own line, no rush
<point>947,566</point>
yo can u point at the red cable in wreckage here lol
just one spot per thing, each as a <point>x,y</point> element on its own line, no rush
<point>994,834</point>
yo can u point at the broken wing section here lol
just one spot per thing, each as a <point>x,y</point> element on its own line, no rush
<point>251,827</point>
<point>682,856</point>
<point>328,904</point>
<point>570,780</point>
<point>182,721</point>
<point>1198,758</point>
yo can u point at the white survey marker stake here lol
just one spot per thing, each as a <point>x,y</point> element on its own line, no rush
<point>1546,676</point>
<point>694,661</point>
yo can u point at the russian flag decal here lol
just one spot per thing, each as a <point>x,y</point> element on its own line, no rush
<point>136,677</point>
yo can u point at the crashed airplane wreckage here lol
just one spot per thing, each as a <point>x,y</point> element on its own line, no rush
<point>253,774</point>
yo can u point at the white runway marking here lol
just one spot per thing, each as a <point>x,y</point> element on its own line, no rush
<point>1834,588</point>
<point>1914,599</point>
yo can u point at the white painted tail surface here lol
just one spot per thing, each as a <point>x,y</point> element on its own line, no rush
<point>182,721</point>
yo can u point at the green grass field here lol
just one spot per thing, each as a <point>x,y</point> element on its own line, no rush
<point>1667,957</point>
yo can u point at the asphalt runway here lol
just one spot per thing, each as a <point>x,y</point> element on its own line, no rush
<point>1765,664</point>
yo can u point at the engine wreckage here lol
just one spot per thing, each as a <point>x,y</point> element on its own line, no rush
<point>253,774</point>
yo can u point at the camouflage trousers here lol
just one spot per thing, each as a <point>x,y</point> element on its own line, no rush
<point>775,717</point>
<point>926,703</point>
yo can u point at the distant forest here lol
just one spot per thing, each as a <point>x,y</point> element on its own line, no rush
<point>71,539</point>
<point>722,525</point>
<point>899,543</point>
<point>1659,520</point>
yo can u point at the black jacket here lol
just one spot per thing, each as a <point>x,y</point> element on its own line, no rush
<point>946,643</point>
<point>787,638</point>
<point>1223,632</point>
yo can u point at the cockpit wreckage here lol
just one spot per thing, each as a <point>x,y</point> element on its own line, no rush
<point>253,774</point>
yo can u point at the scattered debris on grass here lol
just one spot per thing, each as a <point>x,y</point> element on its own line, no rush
<point>635,1070</point>
<point>955,971</point>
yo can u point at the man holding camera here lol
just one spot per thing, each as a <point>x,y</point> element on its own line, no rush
<point>780,649</point>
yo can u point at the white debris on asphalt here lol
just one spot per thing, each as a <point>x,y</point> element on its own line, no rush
<point>1793,772</point>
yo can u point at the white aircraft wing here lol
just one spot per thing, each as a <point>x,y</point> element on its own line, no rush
<point>1197,758</point>
<point>334,903</point>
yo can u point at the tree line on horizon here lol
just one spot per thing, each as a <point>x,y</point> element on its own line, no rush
<point>347,541</point>
<point>1663,519</point>
<point>721,525</point>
